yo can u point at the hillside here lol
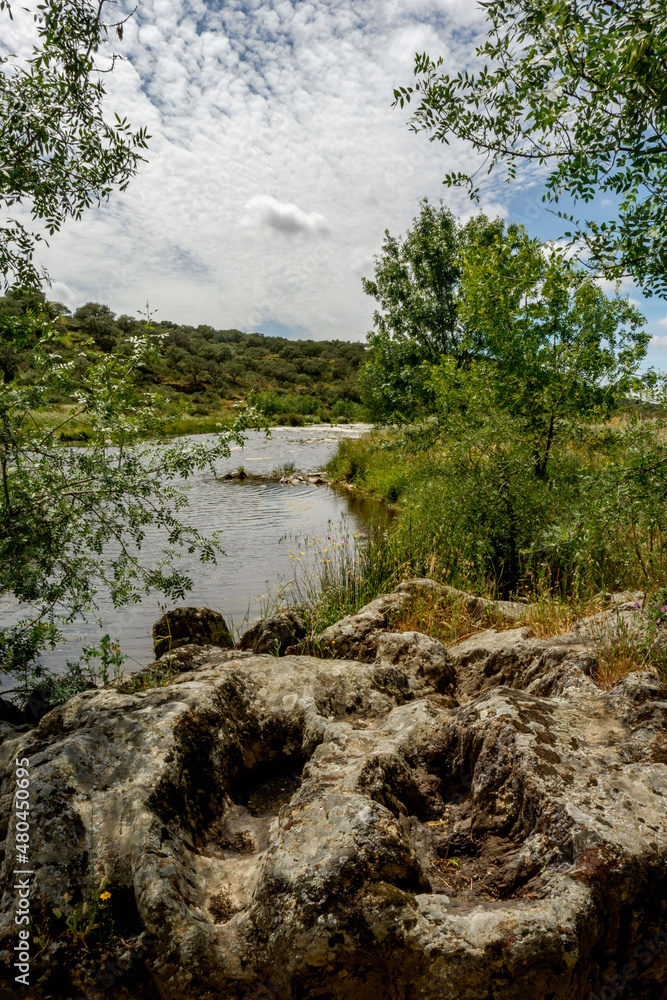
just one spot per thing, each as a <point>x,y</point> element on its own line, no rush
<point>200,371</point>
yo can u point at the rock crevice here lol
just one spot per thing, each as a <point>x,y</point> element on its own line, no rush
<point>405,821</point>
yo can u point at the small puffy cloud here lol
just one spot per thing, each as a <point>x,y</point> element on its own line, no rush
<point>658,341</point>
<point>663,322</point>
<point>284,217</point>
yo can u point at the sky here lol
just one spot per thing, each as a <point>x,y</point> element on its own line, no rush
<point>275,163</point>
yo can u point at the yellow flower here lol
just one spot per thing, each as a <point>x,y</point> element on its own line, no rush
<point>105,896</point>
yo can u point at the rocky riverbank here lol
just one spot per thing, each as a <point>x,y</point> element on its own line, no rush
<point>388,818</point>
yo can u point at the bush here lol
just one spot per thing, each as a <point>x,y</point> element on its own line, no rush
<point>473,511</point>
<point>293,419</point>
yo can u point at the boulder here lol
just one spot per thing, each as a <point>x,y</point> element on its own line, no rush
<point>425,661</point>
<point>346,637</point>
<point>449,824</point>
<point>515,658</point>
<point>274,634</point>
<point>304,479</point>
<point>479,608</point>
<point>182,626</point>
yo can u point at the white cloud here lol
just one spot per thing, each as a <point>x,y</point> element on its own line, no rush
<point>276,161</point>
<point>625,285</point>
<point>658,342</point>
<point>59,292</point>
<point>284,217</point>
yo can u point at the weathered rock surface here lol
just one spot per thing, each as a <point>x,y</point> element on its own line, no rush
<point>478,608</point>
<point>305,479</point>
<point>346,637</point>
<point>182,626</point>
<point>274,634</point>
<point>296,827</point>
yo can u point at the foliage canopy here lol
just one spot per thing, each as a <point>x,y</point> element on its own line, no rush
<point>58,152</point>
<point>75,519</point>
<point>578,87</point>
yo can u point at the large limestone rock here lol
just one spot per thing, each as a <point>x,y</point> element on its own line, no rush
<point>329,828</point>
<point>347,637</point>
<point>183,626</point>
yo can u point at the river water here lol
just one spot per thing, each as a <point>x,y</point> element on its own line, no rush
<point>260,520</point>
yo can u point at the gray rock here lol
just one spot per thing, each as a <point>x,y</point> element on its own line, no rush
<point>479,608</point>
<point>287,827</point>
<point>341,828</point>
<point>642,685</point>
<point>426,661</point>
<point>182,626</point>
<point>274,634</point>
<point>631,597</point>
<point>515,658</point>
<point>305,479</point>
<point>346,637</point>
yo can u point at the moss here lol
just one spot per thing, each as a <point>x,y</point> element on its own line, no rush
<point>384,894</point>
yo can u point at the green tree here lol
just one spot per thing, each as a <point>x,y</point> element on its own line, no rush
<point>557,349</point>
<point>75,519</point>
<point>59,154</point>
<point>416,280</point>
<point>98,322</point>
<point>577,86</point>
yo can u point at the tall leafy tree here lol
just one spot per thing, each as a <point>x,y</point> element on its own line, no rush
<point>578,87</point>
<point>72,520</point>
<point>59,152</point>
<point>415,284</point>
<point>555,348</point>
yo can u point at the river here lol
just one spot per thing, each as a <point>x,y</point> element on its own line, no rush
<point>260,521</point>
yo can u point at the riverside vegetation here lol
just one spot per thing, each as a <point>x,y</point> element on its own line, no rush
<point>524,449</point>
<point>199,375</point>
<point>527,459</point>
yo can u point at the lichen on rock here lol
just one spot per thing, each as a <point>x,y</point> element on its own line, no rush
<point>415,821</point>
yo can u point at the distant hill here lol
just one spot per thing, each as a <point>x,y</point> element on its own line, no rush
<point>293,381</point>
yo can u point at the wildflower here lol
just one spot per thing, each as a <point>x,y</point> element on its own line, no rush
<point>664,608</point>
<point>105,895</point>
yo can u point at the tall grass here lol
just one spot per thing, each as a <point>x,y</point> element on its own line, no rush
<point>481,519</point>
